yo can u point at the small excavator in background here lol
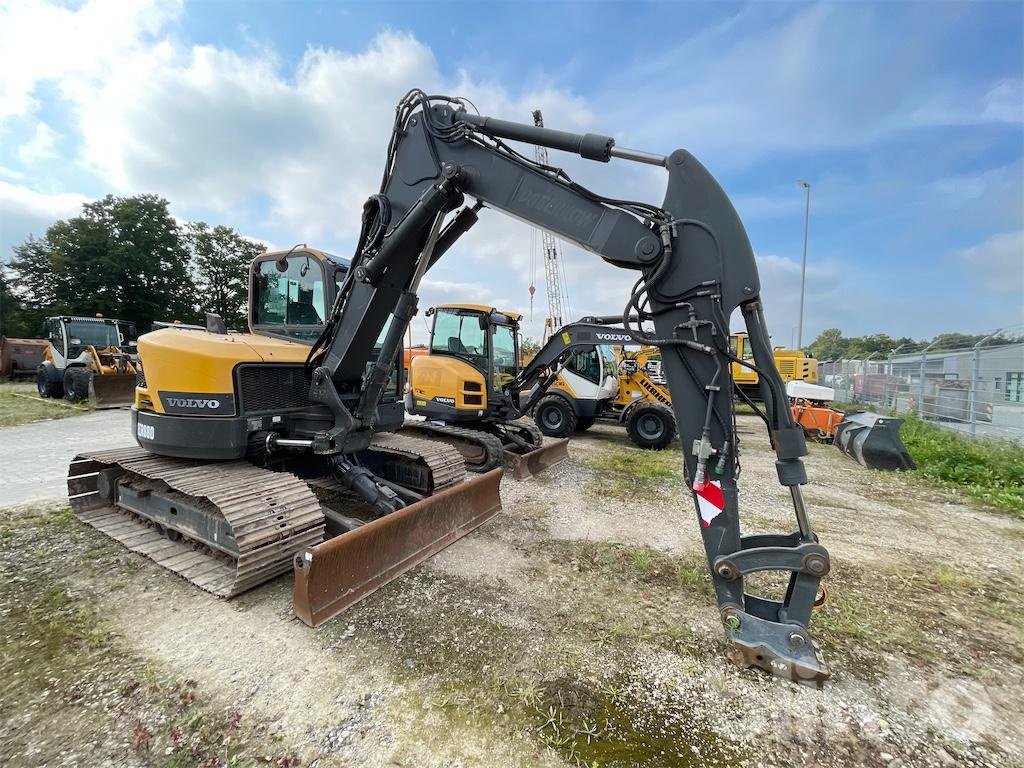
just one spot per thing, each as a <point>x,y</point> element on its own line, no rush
<point>86,355</point>
<point>458,386</point>
<point>239,433</point>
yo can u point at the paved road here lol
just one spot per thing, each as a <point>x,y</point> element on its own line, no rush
<point>34,458</point>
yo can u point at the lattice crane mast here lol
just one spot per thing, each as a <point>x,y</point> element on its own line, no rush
<point>554,277</point>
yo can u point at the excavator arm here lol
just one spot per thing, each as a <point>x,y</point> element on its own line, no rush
<point>694,267</point>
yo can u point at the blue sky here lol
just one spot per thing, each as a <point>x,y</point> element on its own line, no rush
<point>907,119</point>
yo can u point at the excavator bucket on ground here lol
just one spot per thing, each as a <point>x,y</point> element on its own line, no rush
<point>113,390</point>
<point>331,576</point>
<point>873,441</point>
<point>529,464</point>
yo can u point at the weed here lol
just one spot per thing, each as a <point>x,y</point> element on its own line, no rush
<point>991,471</point>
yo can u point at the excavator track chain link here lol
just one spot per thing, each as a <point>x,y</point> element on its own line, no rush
<point>482,451</point>
<point>268,516</point>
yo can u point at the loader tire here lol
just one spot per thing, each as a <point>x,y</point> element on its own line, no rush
<point>583,423</point>
<point>651,426</point>
<point>76,384</point>
<point>555,416</point>
<point>45,386</point>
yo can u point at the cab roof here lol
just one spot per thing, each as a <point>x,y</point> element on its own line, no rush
<point>482,308</point>
<point>316,253</point>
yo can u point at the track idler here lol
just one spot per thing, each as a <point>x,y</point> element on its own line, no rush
<point>873,441</point>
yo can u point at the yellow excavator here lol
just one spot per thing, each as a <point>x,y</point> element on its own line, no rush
<point>458,386</point>
<point>255,449</point>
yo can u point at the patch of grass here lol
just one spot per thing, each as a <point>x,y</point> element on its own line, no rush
<point>633,473</point>
<point>19,404</point>
<point>638,565</point>
<point>935,614</point>
<point>991,471</point>
<point>71,683</point>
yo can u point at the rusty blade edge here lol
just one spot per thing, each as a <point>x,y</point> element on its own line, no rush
<point>334,575</point>
<point>545,457</point>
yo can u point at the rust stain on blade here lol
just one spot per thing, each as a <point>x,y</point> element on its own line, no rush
<point>332,576</point>
<point>529,464</point>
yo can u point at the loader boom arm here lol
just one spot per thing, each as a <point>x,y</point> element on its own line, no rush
<point>694,266</point>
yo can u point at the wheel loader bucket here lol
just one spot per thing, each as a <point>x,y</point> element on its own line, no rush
<point>873,441</point>
<point>330,577</point>
<point>113,390</point>
<point>529,464</point>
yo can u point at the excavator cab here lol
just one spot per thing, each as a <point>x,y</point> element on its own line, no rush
<point>473,353</point>
<point>459,387</point>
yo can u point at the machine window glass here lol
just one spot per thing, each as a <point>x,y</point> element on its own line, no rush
<point>504,343</point>
<point>99,335</point>
<point>291,298</point>
<point>57,336</point>
<point>586,364</point>
<point>459,333</point>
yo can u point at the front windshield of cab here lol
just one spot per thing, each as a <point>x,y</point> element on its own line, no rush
<point>293,299</point>
<point>82,334</point>
<point>504,340</point>
<point>458,332</point>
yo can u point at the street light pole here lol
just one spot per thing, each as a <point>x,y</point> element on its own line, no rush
<point>803,266</point>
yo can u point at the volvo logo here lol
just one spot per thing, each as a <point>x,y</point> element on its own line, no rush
<point>182,402</point>
<point>614,336</point>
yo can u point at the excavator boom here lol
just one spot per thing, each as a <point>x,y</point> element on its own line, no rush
<point>694,267</point>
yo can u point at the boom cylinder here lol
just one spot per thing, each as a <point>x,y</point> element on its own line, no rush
<point>591,146</point>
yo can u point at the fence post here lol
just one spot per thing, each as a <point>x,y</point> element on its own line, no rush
<point>975,377</point>
<point>889,376</point>
<point>920,384</point>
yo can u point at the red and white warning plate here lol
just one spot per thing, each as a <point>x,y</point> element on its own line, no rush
<point>710,501</point>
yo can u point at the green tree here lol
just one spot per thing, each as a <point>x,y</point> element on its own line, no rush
<point>220,262</point>
<point>528,347</point>
<point>829,345</point>
<point>123,257</point>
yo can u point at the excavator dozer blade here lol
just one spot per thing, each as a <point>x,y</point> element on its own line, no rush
<point>873,441</point>
<point>529,464</point>
<point>114,390</point>
<point>330,577</point>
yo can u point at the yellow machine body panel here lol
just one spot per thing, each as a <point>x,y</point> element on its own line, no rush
<point>197,362</point>
<point>448,381</point>
<point>793,364</point>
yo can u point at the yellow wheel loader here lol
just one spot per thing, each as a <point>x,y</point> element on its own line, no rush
<point>87,355</point>
<point>247,442</point>
<point>458,386</point>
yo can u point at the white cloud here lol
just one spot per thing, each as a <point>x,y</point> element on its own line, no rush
<point>997,264</point>
<point>24,211</point>
<point>42,145</point>
<point>42,42</point>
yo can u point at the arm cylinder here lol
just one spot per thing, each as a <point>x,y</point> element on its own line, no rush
<point>591,146</point>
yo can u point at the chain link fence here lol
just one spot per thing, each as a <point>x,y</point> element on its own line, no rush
<point>976,390</point>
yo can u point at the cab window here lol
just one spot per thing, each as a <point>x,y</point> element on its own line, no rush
<point>505,369</point>
<point>586,364</point>
<point>293,298</point>
<point>459,333</point>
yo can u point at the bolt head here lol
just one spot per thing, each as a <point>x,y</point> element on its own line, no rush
<point>732,622</point>
<point>796,640</point>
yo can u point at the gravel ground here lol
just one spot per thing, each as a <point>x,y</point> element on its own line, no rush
<point>576,628</point>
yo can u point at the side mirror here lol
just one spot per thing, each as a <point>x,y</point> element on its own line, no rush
<point>484,321</point>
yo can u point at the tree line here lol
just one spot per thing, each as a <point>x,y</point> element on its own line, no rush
<point>127,258</point>
<point>832,345</point>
